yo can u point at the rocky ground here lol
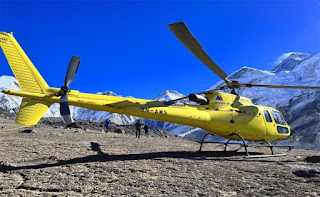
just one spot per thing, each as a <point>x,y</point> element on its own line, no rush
<point>5,114</point>
<point>49,160</point>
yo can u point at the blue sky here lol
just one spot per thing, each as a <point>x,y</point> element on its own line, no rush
<point>126,47</point>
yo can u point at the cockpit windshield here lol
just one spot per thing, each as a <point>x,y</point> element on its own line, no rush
<point>278,118</point>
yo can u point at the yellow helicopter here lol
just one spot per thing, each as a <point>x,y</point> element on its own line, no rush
<point>227,115</point>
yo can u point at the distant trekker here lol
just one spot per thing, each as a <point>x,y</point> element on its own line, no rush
<point>108,122</point>
<point>146,129</point>
<point>138,128</point>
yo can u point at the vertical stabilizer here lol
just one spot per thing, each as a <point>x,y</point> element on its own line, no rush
<point>25,72</point>
<point>29,79</point>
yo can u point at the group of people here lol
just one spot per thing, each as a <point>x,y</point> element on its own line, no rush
<point>139,125</point>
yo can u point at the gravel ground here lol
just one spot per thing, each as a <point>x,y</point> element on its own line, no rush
<point>49,160</point>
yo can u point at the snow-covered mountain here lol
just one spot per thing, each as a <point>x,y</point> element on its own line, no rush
<point>168,95</point>
<point>301,108</point>
<point>7,102</point>
<point>288,61</point>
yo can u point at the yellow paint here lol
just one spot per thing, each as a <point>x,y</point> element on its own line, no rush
<point>12,129</point>
<point>25,72</point>
<point>31,111</point>
<point>224,114</point>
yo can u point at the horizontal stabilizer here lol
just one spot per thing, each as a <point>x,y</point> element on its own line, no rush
<point>31,111</point>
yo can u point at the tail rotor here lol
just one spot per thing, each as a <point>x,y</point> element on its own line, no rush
<point>64,102</point>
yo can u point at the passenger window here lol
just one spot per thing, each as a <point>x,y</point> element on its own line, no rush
<point>278,118</point>
<point>267,115</point>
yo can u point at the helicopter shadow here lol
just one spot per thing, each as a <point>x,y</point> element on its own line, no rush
<point>104,157</point>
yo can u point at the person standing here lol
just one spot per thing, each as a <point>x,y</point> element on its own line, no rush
<point>146,129</point>
<point>108,122</point>
<point>138,128</point>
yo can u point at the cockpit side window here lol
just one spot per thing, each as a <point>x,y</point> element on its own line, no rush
<point>278,118</point>
<point>267,115</point>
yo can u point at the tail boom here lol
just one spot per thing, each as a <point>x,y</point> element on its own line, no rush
<point>130,106</point>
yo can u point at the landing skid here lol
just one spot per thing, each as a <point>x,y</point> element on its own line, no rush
<point>243,144</point>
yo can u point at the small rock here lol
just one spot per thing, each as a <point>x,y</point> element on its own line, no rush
<point>120,131</point>
<point>28,131</point>
<point>56,134</point>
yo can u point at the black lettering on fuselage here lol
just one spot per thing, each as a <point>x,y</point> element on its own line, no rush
<point>144,109</point>
<point>160,111</point>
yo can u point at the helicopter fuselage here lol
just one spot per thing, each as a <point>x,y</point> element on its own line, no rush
<point>223,115</point>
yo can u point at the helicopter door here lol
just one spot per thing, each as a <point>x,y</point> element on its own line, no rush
<point>269,123</point>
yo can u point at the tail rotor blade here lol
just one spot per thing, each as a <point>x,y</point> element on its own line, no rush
<point>72,70</point>
<point>65,110</point>
<point>64,103</point>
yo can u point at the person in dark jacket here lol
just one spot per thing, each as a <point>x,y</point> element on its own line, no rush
<point>138,128</point>
<point>108,122</point>
<point>146,129</point>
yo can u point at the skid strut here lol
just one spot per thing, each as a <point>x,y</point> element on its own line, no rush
<point>243,144</point>
<point>225,143</point>
<point>202,141</point>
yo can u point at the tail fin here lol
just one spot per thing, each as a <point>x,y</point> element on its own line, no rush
<point>29,79</point>
<point>25,72</point>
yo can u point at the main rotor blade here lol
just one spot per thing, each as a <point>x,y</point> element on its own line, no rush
<point>280,86</point>
<point>72,70</point>
<point>248,85</point>
<point>181,31</point>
